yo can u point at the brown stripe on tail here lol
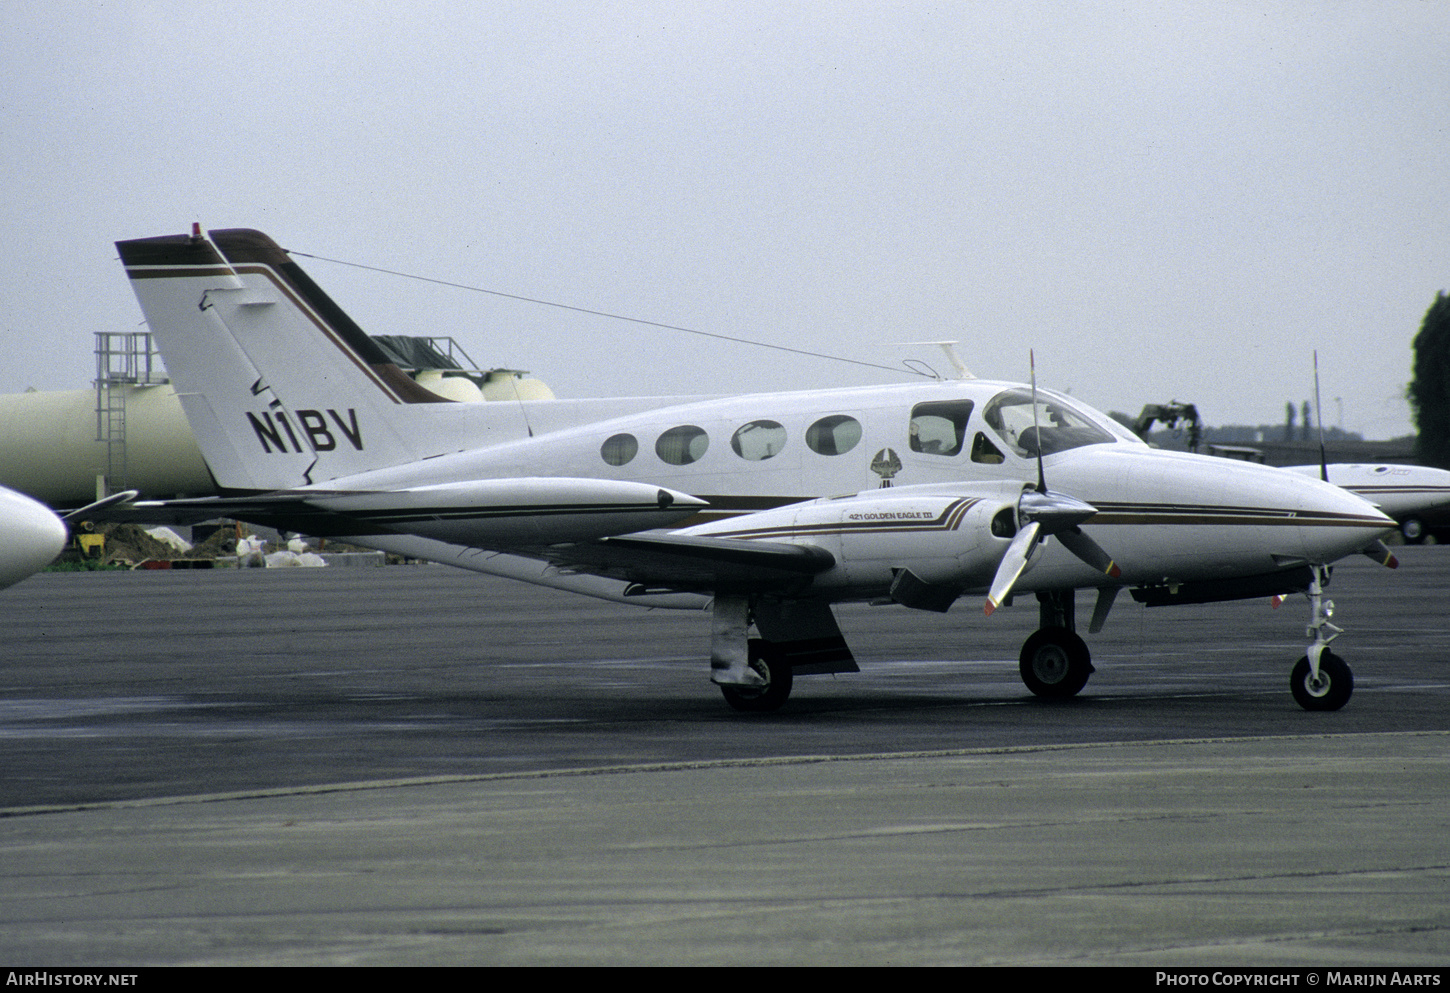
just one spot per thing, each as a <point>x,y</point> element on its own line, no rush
<point>249,249</point>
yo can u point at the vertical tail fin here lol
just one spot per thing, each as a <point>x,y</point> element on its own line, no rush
<point>281,387</point>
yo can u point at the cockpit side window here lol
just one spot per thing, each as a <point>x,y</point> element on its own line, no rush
<point>984,451</point>
<point>1057,426</point>
<point>940,426</point>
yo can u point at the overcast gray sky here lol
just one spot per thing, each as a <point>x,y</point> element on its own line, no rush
<point>1163,199</point>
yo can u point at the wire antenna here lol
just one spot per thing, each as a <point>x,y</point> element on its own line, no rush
<point>600,313</point>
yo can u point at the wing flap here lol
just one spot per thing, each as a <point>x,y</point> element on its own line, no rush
<point>657,562</point>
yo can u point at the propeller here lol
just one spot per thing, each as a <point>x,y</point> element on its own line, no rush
<point>1047,515</point>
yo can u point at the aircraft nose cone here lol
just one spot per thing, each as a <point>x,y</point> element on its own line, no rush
<point>1335,522</point>
<point>30,537</point>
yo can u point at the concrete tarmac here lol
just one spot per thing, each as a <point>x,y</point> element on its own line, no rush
<point>422,767</point>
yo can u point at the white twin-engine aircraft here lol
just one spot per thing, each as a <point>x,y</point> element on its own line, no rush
<point>767,509</point>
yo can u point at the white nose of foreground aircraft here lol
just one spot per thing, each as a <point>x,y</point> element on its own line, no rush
<point>764,509</point>
<point>30,536</point>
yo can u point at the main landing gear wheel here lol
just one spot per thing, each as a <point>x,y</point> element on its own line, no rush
<point>771,696</point>
<point>1055,663</point>
<point>1331,691</point>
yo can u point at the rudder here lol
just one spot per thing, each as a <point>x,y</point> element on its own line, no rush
<point>281,387</point>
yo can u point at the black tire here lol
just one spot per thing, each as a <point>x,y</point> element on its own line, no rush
<point>1336,683</point>
<point>1413,530</point>
<point>1055,663</point>
<point>770,697</point>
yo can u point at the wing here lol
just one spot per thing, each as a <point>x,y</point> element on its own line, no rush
<point>675,562</point>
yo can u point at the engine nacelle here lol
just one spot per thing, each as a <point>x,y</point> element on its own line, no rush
<point>946,539</point>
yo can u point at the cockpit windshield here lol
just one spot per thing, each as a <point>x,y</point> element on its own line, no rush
<point>1058,426</point>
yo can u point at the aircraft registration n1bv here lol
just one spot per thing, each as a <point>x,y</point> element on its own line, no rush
<point>765,509</point>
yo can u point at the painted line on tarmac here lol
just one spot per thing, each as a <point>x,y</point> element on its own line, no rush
<point>652,767</point>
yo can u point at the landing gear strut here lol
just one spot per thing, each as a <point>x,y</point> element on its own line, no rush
<point>753,674</point>
<point>1055,662</point>
<point>1321,680</point>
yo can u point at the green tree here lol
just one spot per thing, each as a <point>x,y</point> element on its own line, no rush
<point>1429,390</point>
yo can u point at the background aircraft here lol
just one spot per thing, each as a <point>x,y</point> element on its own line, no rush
<point>1416,496</point>
<point>766,509</point>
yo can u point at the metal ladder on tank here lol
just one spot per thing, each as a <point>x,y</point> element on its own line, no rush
<point>124,360</point>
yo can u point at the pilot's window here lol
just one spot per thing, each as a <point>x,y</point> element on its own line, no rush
<point>984,451</point>
<point>834,435</point>
<point>1056,426</point>
<point>939,427</point>
<point>620,449</point>
<point>758,440</point>
<point>682,445</point>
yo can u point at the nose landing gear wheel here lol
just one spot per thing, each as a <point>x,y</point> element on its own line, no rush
<point>1330,692</point>
<point>771,696</point>
<point>1055,663</point>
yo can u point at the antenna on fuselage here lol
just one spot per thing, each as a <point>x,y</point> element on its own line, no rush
<point>950,347</point>
<point>1036,430</point>
<point>1319,416</point>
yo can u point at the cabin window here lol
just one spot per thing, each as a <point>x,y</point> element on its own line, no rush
<point>984,451</point>
<point>682,445</point>
<point>1056,425</point>
<point>834,435</point>
<point>939,427</point>
<point>620,449</point>
<point>758,440</point>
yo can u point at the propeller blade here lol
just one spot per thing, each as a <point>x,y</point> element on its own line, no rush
<point>1077,542</point>
<point>1013,563</point>
<point>1106,596</point>
<point>1381,553</point>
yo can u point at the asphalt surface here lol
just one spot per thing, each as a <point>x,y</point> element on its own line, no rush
<point>421,765</point>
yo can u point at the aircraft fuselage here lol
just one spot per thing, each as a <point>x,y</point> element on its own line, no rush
<point>1165,517</point>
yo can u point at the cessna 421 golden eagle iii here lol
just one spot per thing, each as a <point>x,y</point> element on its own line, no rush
<point>766,509</point>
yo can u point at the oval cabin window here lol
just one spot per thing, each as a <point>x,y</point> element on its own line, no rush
<point>758,440</point>
<point>682,445</point>
<point>620,449</point>
<point>834,435</point>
